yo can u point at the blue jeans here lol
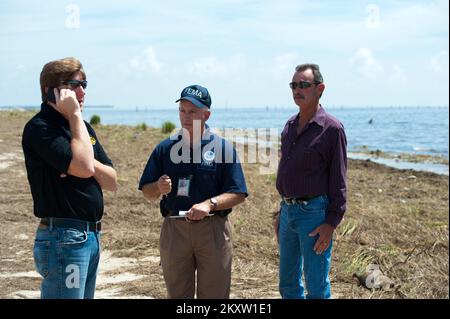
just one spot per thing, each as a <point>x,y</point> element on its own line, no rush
<point>296,251</point>
<point>67,259</point>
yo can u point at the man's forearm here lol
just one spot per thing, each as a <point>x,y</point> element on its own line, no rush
<point>106,176</point>
<point>151,191</point>
<point>228,200</point>
<point>82,164</point>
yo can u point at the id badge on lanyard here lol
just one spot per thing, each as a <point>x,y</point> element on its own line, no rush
<point>184,184</point>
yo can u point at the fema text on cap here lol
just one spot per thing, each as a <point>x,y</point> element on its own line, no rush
<point>191,91</point>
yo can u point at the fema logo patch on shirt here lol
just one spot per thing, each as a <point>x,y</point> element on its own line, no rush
<point>209,156</point>
<point>208,160</point>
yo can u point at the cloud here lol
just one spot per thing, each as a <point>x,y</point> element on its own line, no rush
<point>285,63</point>
<point>365,63</point>
<point>398,75</point>
<point>214,67</point>
<point>439,62</point>
<point>230,44</point>
<point>147,62</point>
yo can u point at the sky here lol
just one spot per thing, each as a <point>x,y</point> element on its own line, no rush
<point>143,53</point>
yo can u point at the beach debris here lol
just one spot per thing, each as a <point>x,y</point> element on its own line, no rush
<point>377,152</point>
<point>412,177</point>
<point>373,278</point>
<point>370,121</point>
<point>363,241</point>
<point>21,237</point>
<point>380,190</point>
<point>358,195</point>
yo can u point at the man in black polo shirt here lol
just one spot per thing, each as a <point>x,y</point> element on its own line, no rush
<point>67,169</point>
<point>201,179</point>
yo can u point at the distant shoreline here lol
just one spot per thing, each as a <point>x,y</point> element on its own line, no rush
<point>424,166</point>
<point>418,162</point>
<point>143,108</point>
<point>37,107</point>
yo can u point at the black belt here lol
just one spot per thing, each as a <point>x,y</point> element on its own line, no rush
<point>297,200</point>
<point>82,225</point>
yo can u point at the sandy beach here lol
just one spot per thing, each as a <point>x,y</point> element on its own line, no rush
<point>396,219</point>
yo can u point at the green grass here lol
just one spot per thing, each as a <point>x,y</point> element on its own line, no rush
<point>95,119</point>
<point>167,127</point>
<point>358,262</point>
<point>348,228</point>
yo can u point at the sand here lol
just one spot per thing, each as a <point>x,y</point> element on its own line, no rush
<point>396,219</point>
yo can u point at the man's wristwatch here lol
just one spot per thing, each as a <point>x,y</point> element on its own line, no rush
<point>214,202</point>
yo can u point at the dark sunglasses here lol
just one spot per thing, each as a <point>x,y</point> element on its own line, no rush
<point>73,84</point>
<point>301,84</point>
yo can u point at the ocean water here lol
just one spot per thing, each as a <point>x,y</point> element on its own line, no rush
<point>413,130</point>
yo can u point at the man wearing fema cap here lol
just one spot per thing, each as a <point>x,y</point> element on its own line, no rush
<point>198,177</point>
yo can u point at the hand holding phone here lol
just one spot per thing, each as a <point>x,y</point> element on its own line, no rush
<point>64,101</point>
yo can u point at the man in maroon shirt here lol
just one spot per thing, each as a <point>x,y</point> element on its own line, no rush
<point>311,180</point>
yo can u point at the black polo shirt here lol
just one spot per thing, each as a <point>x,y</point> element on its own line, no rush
<point>213,170</point>
<point>46,146</point>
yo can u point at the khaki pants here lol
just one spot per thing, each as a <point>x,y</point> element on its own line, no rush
<point>203,246</point>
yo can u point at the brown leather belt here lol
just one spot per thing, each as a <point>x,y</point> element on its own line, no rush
<point>81,225</point>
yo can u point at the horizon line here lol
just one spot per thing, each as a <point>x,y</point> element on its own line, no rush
<point>149,108</point>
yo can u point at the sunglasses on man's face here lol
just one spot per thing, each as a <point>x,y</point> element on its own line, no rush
<point>74,84</point>
<point>301,85</point>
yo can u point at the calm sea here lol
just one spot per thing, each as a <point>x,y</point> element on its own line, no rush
<point>413,130</point>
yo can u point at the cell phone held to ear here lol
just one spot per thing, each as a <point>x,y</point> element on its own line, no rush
<point>51,95</point>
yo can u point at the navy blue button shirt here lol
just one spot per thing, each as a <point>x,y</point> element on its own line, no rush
<point>209,175</point>
<point>46,146</point>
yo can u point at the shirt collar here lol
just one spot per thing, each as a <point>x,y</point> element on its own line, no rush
<point>54,114</point>
<point>319,117</point>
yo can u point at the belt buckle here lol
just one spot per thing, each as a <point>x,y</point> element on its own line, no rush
<point>294,201</point>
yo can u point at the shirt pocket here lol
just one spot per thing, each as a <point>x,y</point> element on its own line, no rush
<point>310,159</point>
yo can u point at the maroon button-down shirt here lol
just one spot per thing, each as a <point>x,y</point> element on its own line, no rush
<point>315,162</point>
